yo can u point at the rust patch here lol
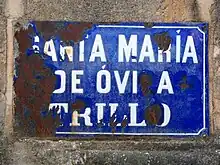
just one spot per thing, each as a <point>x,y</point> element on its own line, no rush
<point>47,29</point>
<point>66,32</point>
<point>35,81</point>
<point>163,40</point>
<point>113,122</point>
<point>124,122</point>
<point>100,123</point>
<point>184,85</point>
<point>79,104</point>
<point>146,82</point>
<point>74,31</point>
<point>153,114</point>
<point>33,88</point>
<point>148,24</point>
<point>205,28</point>
<point>23,39</point>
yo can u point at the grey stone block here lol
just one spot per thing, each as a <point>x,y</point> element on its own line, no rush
<point>3,59</point>
<point>2,7</point>
<point>87,10</point>
<point>2,113</point>
<point>36,152</point>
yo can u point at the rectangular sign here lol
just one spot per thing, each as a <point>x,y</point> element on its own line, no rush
<point>112,78</point>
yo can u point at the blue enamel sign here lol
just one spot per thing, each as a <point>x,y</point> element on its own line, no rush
<point>119,78</point>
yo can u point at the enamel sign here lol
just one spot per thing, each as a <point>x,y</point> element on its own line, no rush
<point>112,79</point>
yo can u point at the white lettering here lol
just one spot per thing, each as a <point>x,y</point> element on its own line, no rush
<point>161,54</point>
<point>133,116</point>
<point>85,115</point>
<point>178,45</point>
<point>113,108</point>
<point>62,75</point>
<point>147,49</point>
<point>134,82</point>
<point>127,50</point>
<point>167,115</point>
<point>49,49</point>
<point>81,51</point>
<point>100,111</point>
<point>165,83</point>
<point>36,47</point>
<point>190,50</point>
<point>121,84</point>
<point>106,74</point>
<point>97,50</point>
<point>76,81</point>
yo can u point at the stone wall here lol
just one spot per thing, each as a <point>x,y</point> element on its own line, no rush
<point>113,150</point>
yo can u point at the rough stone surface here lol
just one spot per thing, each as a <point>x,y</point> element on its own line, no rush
<point>2,54</point>
<point>14,9</point>
<point>2,6</point>
<point>34,152</point>
<point>214,43</point>
<point>3,141</point>
<point>204,8</point>
<point>2,69</point>
<point>3,150</point>
<point>93,11</point>
<point>181,10</point>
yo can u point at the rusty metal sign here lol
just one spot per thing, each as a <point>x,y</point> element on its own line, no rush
<point>116,78</point>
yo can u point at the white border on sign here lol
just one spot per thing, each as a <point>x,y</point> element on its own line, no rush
<point>161,134</point>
